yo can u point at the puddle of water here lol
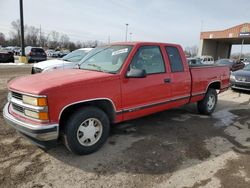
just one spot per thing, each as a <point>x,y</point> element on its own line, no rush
<point>224,117</point>
<point>182,118</point>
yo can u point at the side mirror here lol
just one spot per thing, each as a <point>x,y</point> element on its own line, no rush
<point>136,73</point>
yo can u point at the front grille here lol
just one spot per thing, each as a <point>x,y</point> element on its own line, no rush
<point>18,108</point>
<point>36,70</point>
<point>17,95</point>
<point>242,78</point>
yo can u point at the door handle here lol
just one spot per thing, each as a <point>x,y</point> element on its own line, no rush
<point>167,80</point>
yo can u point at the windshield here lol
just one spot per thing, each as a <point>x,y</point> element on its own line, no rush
<point>106,58</point>
<point>40,50</point>
<point>75,56</point>
<point>247,67</point>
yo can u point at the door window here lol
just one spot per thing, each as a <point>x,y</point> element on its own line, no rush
<point>148,58</point>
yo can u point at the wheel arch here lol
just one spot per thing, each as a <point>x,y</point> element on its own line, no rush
<point>214,85</point>
<point>105,104</point>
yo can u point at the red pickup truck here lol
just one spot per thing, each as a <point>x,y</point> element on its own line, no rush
<point>114,83</point>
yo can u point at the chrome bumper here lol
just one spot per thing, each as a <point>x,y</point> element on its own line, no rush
<point>39,132</point>
<point>240,88</point>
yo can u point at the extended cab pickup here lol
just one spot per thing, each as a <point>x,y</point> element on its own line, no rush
<point>114,83</point>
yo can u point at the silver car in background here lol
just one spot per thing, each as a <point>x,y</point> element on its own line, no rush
<point>67,62</point>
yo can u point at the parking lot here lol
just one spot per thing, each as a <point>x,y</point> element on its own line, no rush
<point>174,148</point>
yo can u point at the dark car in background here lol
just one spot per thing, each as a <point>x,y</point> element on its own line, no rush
<point>233,65</point>
<point>241,79</point>
<point>6,57</point>
<point>194,61</point>
<point>35,54</point>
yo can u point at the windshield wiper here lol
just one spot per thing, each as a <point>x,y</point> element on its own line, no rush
<point>96,66</point>
<point>78,66</point>
<point>99,68</point>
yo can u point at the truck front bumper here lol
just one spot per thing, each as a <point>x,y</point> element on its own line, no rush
<point>40,133</point>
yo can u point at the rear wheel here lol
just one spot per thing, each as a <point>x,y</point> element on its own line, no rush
<point>86,130</point>
<point>208,104</point>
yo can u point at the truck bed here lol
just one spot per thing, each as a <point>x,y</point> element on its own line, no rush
<point>203,75</point>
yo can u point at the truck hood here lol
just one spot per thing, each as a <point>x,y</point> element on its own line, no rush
<point>51,63</point>
<point>41,83</point>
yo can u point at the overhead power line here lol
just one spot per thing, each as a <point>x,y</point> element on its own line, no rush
<point>71,34</point>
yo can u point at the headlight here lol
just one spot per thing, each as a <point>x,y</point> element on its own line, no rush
<point>37,115</point>
<point>232,77</point>
<point>42,101</point>
<point>51,69</point>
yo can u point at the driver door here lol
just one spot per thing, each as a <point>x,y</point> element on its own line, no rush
<point>141,96</point>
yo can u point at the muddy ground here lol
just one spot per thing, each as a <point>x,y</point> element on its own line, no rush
<point>175,148</point>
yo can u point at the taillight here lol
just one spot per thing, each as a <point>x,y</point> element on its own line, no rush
<point>30,53</point>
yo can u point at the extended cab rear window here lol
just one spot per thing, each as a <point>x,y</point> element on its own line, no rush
<point>175,61</point>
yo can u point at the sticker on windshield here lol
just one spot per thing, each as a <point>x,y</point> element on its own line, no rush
<point>121,51</point>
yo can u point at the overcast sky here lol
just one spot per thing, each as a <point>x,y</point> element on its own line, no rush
<point>173,21</point>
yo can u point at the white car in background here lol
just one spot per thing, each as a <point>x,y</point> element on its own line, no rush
<point>246,61</point>
<point>49,52</point>
<point>67,62</point>
<point>207,60</point>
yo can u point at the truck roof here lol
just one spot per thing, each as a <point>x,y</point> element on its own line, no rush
<point>142,43</point>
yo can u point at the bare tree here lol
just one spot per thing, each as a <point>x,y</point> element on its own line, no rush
<point>16,32</point>
<point>92,43</point>
<point>84,44</point>
<point>78,44</point>
<point>35,37</point>
<point>191,50</point>
<point>55,36</point>
<point>53,39</point>
<point>64,41</point>
<point>31,36</point>
<point>43,40</point>
<point>71,46</point>
<point>2,39</point>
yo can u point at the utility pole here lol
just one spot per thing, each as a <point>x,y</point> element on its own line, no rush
<point>241,48</point>
<point>130,34</point>
<point>22,58</point>
<point>202,25</point>
<point>109,39</point>
<point>126,38</point>
<point>40,41</point>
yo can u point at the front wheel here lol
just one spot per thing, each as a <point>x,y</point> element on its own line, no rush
<point>86,130</point>
<point>208,104</point>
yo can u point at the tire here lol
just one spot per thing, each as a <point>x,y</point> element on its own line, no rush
<point>12,60</point>
<point>86,130</point>
<point>208,104</point>
<point>234,90</point>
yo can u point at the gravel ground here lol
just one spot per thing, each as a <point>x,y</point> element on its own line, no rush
<point>174,148</point>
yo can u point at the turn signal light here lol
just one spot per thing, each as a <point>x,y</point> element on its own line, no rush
<point>42,102</point>
<point>43,116</point>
